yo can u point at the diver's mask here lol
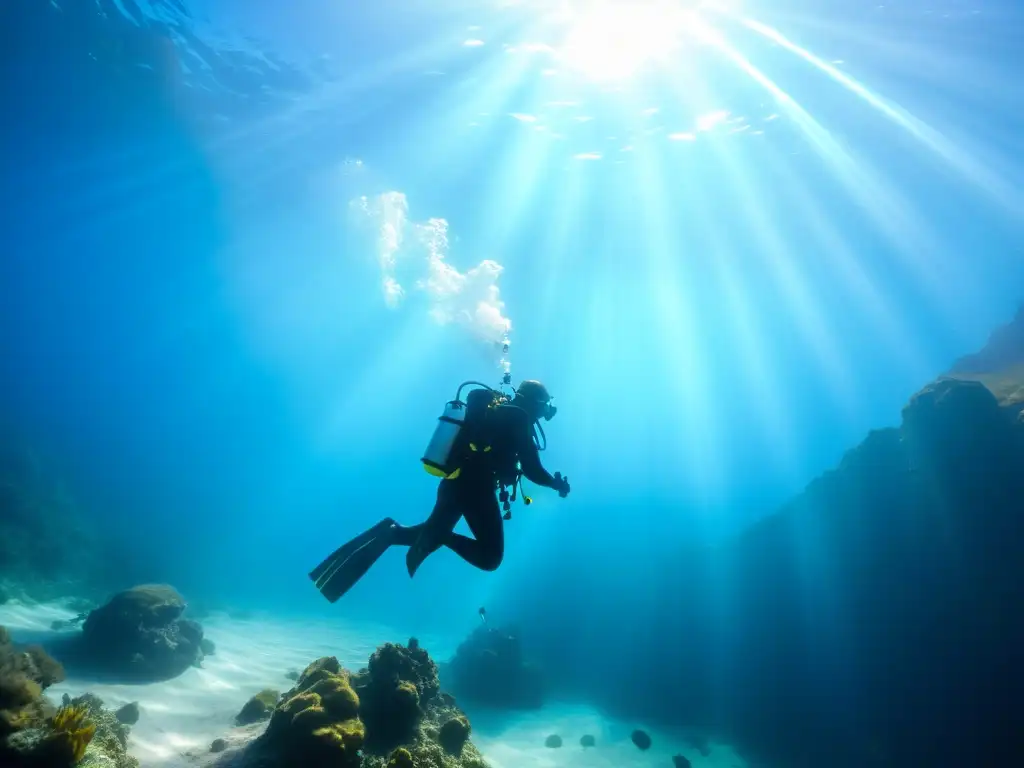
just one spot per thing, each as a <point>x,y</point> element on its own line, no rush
<point>549,411</point>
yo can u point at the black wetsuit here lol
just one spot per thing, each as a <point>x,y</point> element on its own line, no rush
<point>509,433</point>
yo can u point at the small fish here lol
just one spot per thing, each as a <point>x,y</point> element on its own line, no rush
<point>587,741</point>
<point>680,762</point>
<point>641,739</point>
<point>483,614</point>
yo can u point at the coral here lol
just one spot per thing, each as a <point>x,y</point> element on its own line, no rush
<point>454,734</point>
<point>334,718</point>
<point>70,733</point>
<point>400,758</point>
<point>412,663</point>
<point>24,674</point>
<point>317,721</point>
<point>259,707</point>
<point>48,669</point>
<point>81,732</point>
<point>139,635</point>
<point>488,668</point>
<point>398,681</point>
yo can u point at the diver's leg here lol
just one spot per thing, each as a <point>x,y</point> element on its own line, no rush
<point>338,573</point>
<point>429,536</point>
<point>483,515</point>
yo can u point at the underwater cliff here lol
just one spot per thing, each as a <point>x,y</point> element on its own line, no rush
<point>873,620</point>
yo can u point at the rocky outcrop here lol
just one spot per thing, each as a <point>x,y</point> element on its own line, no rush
<point>873,621</point>
<point>140,636</point>
<point>999,365</point>
<point>489,669</point>
<point>389,715</point>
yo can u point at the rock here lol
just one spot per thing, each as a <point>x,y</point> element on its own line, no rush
<point>488,668</point>
<point>259,707</point>
<point>887,594</point>
<point>140,636</point>
<point>642,739</point>
<point>218,745</point>
<point>554,741</point>
<point>128,714</point>
<point>680,762</point>
<point>587,741</point>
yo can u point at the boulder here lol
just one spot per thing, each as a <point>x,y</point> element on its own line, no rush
<point>140,635</point>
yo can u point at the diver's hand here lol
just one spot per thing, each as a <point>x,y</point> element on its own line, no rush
<point>561,485</point>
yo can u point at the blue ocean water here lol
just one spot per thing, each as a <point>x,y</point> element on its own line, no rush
<point>251,249</point>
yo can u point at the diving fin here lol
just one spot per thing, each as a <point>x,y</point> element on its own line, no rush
<point>346,565</point>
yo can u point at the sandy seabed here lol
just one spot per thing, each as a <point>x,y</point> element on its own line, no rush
<point>186,714</point>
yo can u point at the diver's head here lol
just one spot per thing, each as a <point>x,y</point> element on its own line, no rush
<point>533,397</point>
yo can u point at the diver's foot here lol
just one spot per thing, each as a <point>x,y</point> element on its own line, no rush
<point>339,572</point>
<point>417,553</point>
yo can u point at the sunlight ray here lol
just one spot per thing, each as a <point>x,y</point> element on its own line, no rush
<point>808,313</point>
<point>889,211</point>
<point>514,174</point>
<point>736,293</point>
<point>826,240</point>
<point>674,297</point>
<point>566,220</point>
<point>977,174</point>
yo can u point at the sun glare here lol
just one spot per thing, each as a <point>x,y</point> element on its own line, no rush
<point>611,40</point>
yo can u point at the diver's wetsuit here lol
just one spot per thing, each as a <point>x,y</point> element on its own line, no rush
<point>509,432</point>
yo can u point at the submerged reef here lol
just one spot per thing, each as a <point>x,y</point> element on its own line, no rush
<point>35,734</point>
<point>488,668</point>
<point>391,714</point>
<point>48,548</point>
<point>139,636</point>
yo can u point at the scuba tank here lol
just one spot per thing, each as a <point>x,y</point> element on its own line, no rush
<point>444,452</point>
<point>437,459</point>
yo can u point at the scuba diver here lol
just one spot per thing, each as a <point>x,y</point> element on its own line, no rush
<point>481,446</point>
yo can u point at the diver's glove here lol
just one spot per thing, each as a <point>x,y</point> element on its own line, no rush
<point>561,485</point>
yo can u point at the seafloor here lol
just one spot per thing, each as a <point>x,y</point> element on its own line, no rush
<point>180,718</point>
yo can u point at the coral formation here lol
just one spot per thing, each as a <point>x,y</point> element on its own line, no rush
<point>24,674</point>
<point>317,721</point>
<point>397,683</point>
<point>259,707</point>
<point>389,715</point>
<point>139,635</point>
<point>488,668</point>
<point>554,741</point>
<point>33,735</point>
<point>454,734</point>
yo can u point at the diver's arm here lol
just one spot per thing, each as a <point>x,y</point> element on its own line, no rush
<point>529,457</point>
